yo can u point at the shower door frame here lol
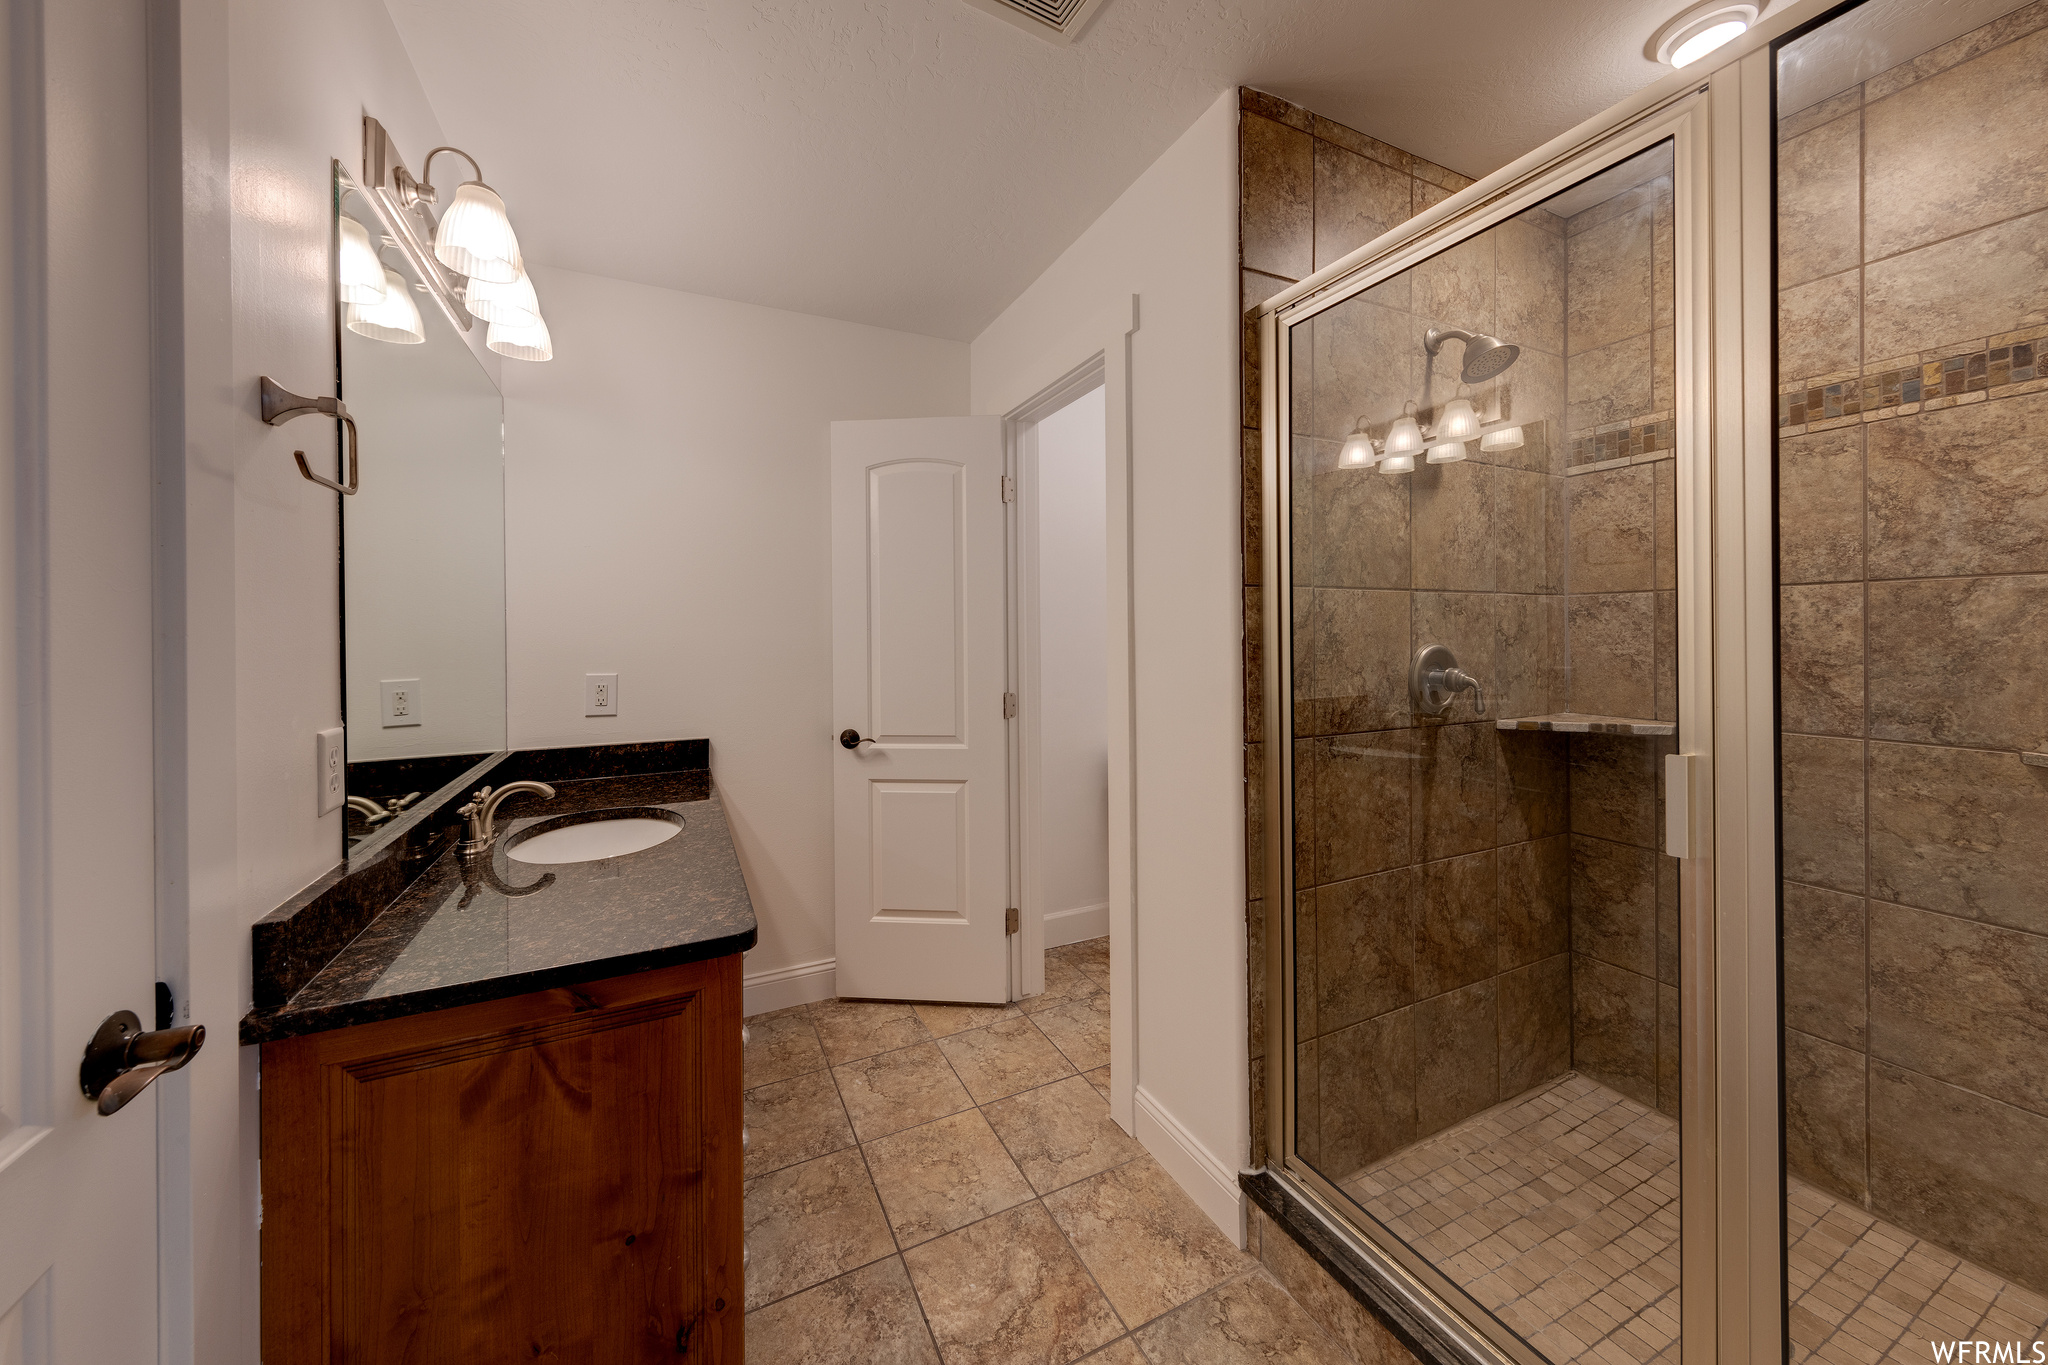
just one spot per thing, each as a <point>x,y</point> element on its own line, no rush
<point>1731,1232</point>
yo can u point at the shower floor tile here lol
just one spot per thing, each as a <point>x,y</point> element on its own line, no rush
<point>1558,1211</point>
<point>1863,1290</point>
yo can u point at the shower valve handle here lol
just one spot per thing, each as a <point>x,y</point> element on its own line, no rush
<point>1435,680</point>
<point>1458,680</point>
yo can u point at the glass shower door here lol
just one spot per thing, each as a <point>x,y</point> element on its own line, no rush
<point>1481,557</point>
<point>1912,424</point>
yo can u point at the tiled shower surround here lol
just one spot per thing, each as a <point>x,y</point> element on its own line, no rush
<point>1478,911</point>
<point>1312,191</point>
<point>1913,428</point>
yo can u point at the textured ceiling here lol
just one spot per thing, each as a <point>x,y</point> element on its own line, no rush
<point>916,163</point>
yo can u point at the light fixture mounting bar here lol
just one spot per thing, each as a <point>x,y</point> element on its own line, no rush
<point>394,196</point>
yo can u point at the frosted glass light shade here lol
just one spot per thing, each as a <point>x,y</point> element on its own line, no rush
<point>1504,438</point>
<point>1398,464</point>
<point>521,343</point>
<point>360,273</point>
<point>476,238</point>
<point>513,304</point>
<point>1404,437</point>
<point>1458,423</point>
<point>1701,43</point>
<point>1447,452</point>
<point>1357,452</point>
<point>394,318</point>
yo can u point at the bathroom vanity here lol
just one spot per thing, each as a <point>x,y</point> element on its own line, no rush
<point>501,1099</point>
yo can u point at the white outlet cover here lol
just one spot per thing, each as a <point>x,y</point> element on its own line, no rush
<point>399,702</point>
<point>330,761</point>
<point>600,694</point>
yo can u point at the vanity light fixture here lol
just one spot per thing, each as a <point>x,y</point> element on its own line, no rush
<point>1397,464</point>
<point>1357,452</point>
<point>392,318</point>
<point>513,304</point>
<point>521,343</point>
<point>1457,422</point>
<point>1405,436</point>
<point>1496,434</point>
<point>1699,29</point>
<point>360,273</point>
<point>475,237</point>
<point>468,258</point>
<point>1446,452</point>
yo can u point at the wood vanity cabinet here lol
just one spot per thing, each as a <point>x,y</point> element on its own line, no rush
<point>554,1176</point>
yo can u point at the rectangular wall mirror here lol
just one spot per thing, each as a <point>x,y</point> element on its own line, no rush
<point>423,540</point>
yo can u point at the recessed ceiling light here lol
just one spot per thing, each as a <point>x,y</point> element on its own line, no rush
<point>1698,30</point>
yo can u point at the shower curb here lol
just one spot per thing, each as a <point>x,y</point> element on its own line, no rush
<point>1363,1280</point>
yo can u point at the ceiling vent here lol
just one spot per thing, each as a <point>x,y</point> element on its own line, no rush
<point>1056,21</point>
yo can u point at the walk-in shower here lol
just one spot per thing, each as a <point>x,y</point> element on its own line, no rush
<point>1641,881</point>
<point>1484,943</point>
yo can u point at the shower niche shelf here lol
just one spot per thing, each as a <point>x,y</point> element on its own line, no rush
<point>1575,723</point>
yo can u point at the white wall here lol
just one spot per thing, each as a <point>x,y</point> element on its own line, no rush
<point>668,519</point>
<point>1171,239</point>
<point>1072,663</point>
<point>258,98</point>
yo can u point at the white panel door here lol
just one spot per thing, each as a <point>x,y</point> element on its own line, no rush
<point>78,1192</point>
<point>921,810</point>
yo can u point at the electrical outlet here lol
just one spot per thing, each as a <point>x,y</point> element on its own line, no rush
<point>600,694</point>
<point>401,698</point>
<point>330,759</point>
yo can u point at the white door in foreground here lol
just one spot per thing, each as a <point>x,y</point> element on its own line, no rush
<point>921,813</point>
<point>78,1190</point>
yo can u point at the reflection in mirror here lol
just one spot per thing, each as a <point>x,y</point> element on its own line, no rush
<point>423,542</point>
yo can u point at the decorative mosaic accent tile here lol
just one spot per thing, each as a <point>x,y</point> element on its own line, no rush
<point>1623,442</point>
<point>1949,377</point>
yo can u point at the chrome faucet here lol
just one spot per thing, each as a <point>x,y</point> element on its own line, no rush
<point>482,811</point>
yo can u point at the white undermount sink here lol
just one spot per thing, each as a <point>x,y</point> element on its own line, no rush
<point>587,841</point>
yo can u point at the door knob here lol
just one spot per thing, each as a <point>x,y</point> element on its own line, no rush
<point>851,739</point>
<point>123,1059</point>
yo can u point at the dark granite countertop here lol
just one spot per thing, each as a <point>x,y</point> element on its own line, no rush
<point>459,935</point>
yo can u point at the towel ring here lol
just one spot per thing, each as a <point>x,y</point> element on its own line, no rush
<point>280,405</point>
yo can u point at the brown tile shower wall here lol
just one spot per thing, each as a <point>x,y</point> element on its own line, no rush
<point>1624,920</point>
<point>1311,191</point>
<point>1620,391</point>
<point>1433,916</point>
<point>1622,577</point>
<point>1913,423</point>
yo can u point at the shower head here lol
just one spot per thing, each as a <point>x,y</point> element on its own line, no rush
<point>1485,356</point>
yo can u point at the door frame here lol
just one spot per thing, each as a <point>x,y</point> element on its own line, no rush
<point>1098,346</point>
<point>1027,756</point>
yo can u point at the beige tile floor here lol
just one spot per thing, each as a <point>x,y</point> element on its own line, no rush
<point>932,1184</point>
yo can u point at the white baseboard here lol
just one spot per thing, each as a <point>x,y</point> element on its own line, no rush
<point>780,987</point>
<point>1210,1181</point>
<point>1077,925</point>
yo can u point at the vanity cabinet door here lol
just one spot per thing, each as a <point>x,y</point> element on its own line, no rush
<point>553,1177</point>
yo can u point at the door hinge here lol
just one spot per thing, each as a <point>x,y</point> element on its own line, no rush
<point>1009,488</point>
<point>1009,706</point>
<point>1010,920</point>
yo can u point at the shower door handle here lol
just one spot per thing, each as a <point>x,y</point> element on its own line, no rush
<point>1688,803</point>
